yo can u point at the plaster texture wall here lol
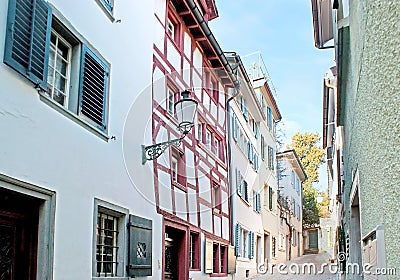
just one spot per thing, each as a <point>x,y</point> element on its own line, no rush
<point>370,113</point>
<point>42,146</point>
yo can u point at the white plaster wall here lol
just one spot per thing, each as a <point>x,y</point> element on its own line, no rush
<point>47,149</point>
<point>173,56</point>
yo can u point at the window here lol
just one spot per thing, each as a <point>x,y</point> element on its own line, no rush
<point>273,247</point>
<point>255,127</point>
<point>245,243</point>
<point>243,108</point>
<point>262,148</point>
<point>270,198</point>
<point>194,251</point>
<point>215,90</point>
<point>170,101</point>
<point>174,168</point>
<point>177,168</point>
<point>213,142</point>
<point>235,127</point>
<point>45,58</point>
<point>294,237</point>
<point>241,186</point>
<point>270,158</point>
<point>110,235</point>
<point>247,250</point>
<point>208,139</point>
<point>256,201</point>
<point>216,197</point>
<point>59,69</point>
<point>173,28</point>
<point>107,244</point>
<point>269,119</point>
<point>220,259</point>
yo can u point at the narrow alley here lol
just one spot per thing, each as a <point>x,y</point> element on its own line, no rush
<point>304,267</point>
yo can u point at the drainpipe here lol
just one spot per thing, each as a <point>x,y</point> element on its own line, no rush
<point>204,26</point>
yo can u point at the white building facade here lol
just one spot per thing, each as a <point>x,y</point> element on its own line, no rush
<point>72,187</point>
<point>290,202</point>
<point>252,147</point>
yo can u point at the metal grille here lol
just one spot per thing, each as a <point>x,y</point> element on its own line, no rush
<point>107,241</point>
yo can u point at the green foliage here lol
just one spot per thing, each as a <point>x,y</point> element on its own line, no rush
<point>311,157</point>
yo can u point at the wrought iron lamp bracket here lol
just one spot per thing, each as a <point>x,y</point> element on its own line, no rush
<point>152,152</point>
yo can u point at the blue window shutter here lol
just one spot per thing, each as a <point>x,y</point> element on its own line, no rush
<point>238,240</point>
<point>234,127</point>
<point>251,245</point>
<point>258,202</point>
<point>108,4</point>
<point>28,38</point>
<point>93,88</point>
<point>239,185</point>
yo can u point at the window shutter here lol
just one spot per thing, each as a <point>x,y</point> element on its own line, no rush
<point>28,38</point>
<point>269,118</point>
<point>251,245</point>
<point>270,198</point>
<point>272,158</point>
<point>258,200</point>
<point>239,186</point>
<point>140,246</point>
<point>238,240</point>
<point>93,88</point>
<point>208,262</point>
<point>234,127</point>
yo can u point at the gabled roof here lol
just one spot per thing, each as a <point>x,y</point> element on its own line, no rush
<point>291,156</point>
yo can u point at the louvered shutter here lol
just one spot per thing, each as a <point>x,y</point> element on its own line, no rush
<point>239,185</point>
<point>93,88</point>
<point>238,240</point>
<point>234,127</point>
<point>28,38</point>
<point>270,198</point>
<point>251,245</point>
<point>258,200</point>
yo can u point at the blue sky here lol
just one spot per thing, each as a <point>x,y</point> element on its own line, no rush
<point>282,31</point>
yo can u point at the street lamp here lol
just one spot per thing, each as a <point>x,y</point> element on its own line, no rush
<point>185,110</point>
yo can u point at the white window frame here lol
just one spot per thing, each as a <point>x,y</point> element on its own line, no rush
<point>123,218</point>
<point>174,167</point>
<point>170,101</point>
<point>54,71</point>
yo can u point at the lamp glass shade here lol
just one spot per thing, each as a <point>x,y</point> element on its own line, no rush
<point>185,110</point>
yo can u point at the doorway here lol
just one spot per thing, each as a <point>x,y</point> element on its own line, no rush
<point>267,249</point>
<point>313,240</point>
<point>19,216</point>
<point>175,254</point>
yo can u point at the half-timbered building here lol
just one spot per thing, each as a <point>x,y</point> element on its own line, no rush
<point>190,180</point>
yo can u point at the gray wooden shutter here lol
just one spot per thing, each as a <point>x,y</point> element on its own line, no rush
<point>140,246</point>
<point>238,240</point>
<point>93,88</point>
<point>28,38</point>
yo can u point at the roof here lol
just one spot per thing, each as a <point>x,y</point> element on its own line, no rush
<point>294,160</point>
<point>322,22</point>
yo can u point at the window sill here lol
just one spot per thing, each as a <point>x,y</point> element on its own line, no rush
<point>179,186</point>
<point>218,274</point>
<point>73,117</point>
<point>110,278</point>
<point>210,153</point>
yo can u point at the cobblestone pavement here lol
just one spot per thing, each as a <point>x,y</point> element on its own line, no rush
<point>298,265</point>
